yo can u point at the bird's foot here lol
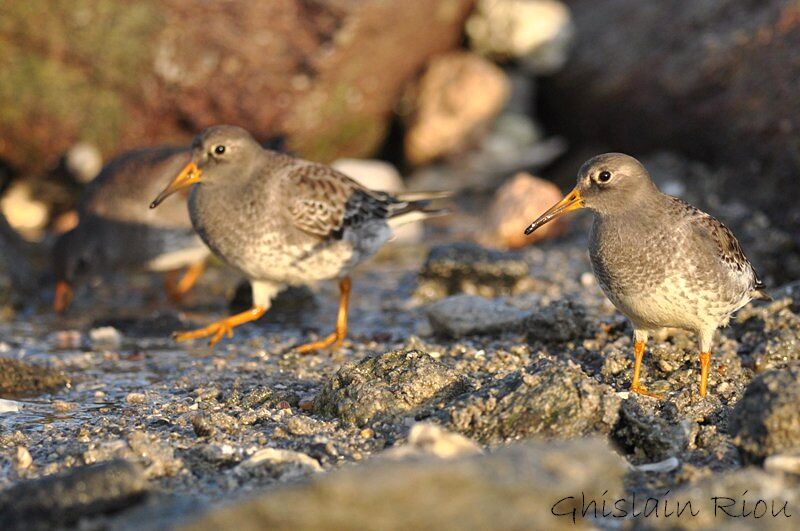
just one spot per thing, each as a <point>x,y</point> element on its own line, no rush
<point>333,341</point>
<point>216,330</point>
<point>640,390</point>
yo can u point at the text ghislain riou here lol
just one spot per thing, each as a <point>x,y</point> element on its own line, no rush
<point>662,507</point>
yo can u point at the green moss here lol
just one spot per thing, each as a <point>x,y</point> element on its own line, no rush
<point>67,65</point>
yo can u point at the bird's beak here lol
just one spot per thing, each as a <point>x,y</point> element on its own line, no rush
<point>189,175</point>
<point>572,201</point>
<point>63,296</point>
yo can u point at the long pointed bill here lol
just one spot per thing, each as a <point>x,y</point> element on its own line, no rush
<point>189,175</point>
<point>63,296</point>
<point>572,201</point>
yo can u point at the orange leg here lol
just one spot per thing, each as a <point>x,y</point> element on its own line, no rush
<point>705,363</point>
<point>336,338</point>
<point>177,289</point>
<point>222,328</point>
<point>636,387</point>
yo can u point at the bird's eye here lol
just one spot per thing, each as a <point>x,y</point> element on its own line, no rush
<point>604,176</point>
<point>219,150</point>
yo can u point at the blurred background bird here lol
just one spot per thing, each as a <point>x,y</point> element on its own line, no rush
<point>116,231</point>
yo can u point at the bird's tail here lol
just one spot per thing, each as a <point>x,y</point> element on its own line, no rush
<point>415,206</point>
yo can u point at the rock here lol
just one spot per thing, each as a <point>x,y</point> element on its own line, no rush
<point>426,439</point>
<point>206,423</point>
<point>465,315</point>
<point>83,161</point>
<point>512,488</point>
<point>729,501</point>
<point>280,464</point>
<point>9,406</point>
<point>789,463</point>
<point>752,125</point>
<point>536,32</point>
<point>105,338</point>
<point>156,456</point>
<point>518,202</point>
<point>457,95</point>
<point>382,176</point>
<point>766,420</point>
<point>549,399</point>
<point>646,436</point>
<point>136,398</point>
<point>562,320</point>
<point>23,459</point>
<point>63,499</point>
<point>23,211</point>
<point>256,397</point>
<point>20,378</point>
<point>456,268</point>
<point>321,67</point>
<point>386,385</point>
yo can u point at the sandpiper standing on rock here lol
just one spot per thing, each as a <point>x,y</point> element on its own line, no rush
<point>661,261</point>
<point>283,221</point>
<point>116,230</point>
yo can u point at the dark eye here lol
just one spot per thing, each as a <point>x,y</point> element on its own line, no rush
<point>219,150</point>
<point>604,176</point>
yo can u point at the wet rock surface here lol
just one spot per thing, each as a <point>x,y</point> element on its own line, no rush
<point>59,500</point>
<point>548,399</point>
<point>464,315</point>
<point>386,385</point>
<point>766,421</point>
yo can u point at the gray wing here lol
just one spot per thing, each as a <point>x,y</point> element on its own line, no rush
<point>722,243</point>
<point>325,202</point>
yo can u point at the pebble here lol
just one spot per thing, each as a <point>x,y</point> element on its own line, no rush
<point>667,465</point>
<point>23,458</point>
<point>783,463</point>
<point>516,203</point>
<point>425,438</point>
<point>458,93</point>
<point>105,338</point>
<point>136,398</point>
<point>9,406</point>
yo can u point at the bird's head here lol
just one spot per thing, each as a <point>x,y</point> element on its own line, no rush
<point>607,184</point>
<point>74,257</point>
<point>220,154</point>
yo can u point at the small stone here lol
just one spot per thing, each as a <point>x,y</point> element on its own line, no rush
<point>306,403</point>
<point>23,459</point>
<point>561,321</point>
<point>302,425</point>
<point>516,204</point>
<point>367,433</point>
<point>280,464</point>
<point>9,406</point>
<point>61,406</point>
<point>464,315</point>
<point>84,161</point>
<point>136,398</point>
<point>105,338</point>
<point>430,439</point>
<point>256,397</point>
<point>23,211</point>
<point>783,463</point>
<point>458,94</point>
<point>667,465</point>
<point>538,33</point>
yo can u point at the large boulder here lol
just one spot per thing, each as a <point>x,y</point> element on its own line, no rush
<point>118,74</point>
<point>717,80</point>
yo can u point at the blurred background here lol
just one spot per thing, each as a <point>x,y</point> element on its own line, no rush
<point>452,93</point>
